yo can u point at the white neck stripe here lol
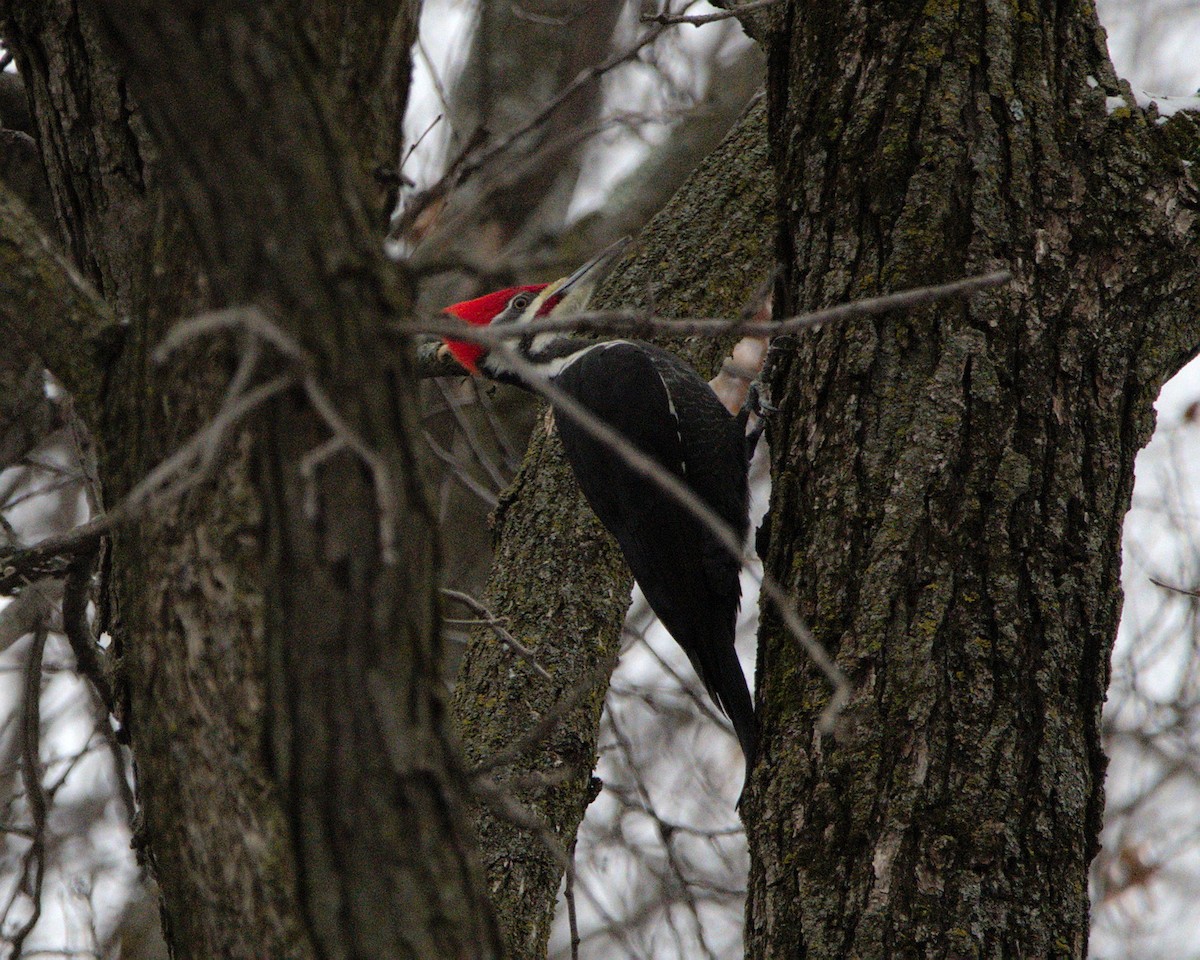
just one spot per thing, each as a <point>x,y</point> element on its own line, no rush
<point>548,368</point>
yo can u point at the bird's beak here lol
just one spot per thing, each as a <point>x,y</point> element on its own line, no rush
<point>572,294</point>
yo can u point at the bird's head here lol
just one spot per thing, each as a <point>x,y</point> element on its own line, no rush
<point>517,306</point>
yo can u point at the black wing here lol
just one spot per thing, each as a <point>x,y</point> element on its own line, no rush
<point>690,580</point>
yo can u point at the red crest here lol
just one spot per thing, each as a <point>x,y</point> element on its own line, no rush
<point>479,313</point>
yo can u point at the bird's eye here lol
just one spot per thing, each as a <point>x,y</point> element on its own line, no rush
<point>520,301</point>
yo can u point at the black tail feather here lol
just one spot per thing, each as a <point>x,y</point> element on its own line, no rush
<point>722,674</point>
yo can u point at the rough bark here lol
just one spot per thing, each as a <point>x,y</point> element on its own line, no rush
<point>559,578</point>
<point>22,172</point>
<point>342,847</point>
<point>949,486</point>
<point>14,108</point>
<point>366,69</point>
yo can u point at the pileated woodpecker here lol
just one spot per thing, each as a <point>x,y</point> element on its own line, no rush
<point>663,407</point>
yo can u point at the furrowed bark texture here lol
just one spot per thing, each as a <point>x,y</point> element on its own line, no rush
<point>350,845</point>
<point>181,598</point>
<point>559,578</point>
<point>950,485</point>
<point>354,718</point>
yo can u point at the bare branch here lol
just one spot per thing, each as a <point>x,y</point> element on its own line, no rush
<point>35,795</point>
<point>24,613</point>
<point>473,441</point>
<point>458,471</point>
<point>1184,591</point>
<point>48,308</point>
<point>51,557</point>
<point>664,836</point>
<point>569,893</point>
<point>700,19</point>
<point>643,323</point>
<point>79,632</point>
<point>474,157</point>
<point>253,321</point>
<point>192,463</point>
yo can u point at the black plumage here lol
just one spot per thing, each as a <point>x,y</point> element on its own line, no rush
<point>690,579</point>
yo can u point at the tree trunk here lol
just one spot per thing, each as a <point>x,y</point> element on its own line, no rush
<point>950,484</point>
<point>348,841</point>
<point>559,578</point>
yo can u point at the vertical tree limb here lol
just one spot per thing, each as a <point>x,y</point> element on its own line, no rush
<point>281,220</point>
<point>950,484</point>
<point>559,579</point>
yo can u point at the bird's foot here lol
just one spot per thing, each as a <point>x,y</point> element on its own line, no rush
<point>757,405</point>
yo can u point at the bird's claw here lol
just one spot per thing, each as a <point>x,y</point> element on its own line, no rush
<point>757,404</point>
<point>762,409</point>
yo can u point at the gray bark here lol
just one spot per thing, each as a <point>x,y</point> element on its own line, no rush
<point>347,840</point>
<point>950,484</point>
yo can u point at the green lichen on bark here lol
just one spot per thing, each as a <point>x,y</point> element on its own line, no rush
<point>950,484</point>
<point>558,577</point>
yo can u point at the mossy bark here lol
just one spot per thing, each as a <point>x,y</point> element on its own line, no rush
<point>559,578</point>
<point>950,484</point>
<point>344,839</point>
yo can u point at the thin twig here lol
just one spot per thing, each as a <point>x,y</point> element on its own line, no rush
<point>664,836</point>
<point>253,321</point>
<point>700,19</point>
<point>569,894</point>
<point>192,462</point>
<point>116,754</point>
<point>702,704</point>
<point>472,438</point>
<point>72,762</point>
<point>458,470</point>
<point>418,204</point>
<point>512,456</point>
<point>62,484</point>
<point>51,557</point>
<point>474,157</point>
<point>1180,590</point>
<point>642,323</point>
<point>249,319</point>
<point>35,796</point>
<point>515,645</point>
<point>416,143</point>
